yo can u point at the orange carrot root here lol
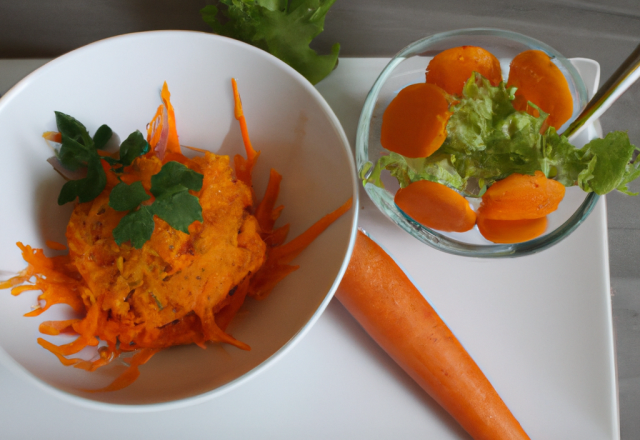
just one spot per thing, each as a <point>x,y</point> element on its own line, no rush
<point>521,196</point>
<point>436,206</point>
<point>395,314</point>
<point>414,124</point>
<point>540,81</point>
<point>451,69</point>
<point>511,231</point>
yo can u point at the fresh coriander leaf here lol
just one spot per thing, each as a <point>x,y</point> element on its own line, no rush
<point>125,197</point>
<point>175,174</point>
<point>73,154</point>
<point>284,28</point>
<point>179,209</point>
<point>85,189</point>
<point>72,128</point>
<point>137,227</point>
<point>132,147</point>
<point>102,136</point>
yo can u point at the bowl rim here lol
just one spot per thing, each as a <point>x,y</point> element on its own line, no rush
<point>430,236</point>
<point>13,365</point>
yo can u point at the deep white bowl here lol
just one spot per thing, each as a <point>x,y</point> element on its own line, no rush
<point>117,82</point>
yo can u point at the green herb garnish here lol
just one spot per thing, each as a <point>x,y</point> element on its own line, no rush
<point>170,186</point>
<point>284,28</point>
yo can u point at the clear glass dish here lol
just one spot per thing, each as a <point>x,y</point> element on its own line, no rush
<point>408,67</point>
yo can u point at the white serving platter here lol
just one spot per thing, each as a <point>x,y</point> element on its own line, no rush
<point>539,326</point>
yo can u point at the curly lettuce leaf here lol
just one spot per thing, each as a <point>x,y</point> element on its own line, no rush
<point>487,140</point>
<point>284,28</point>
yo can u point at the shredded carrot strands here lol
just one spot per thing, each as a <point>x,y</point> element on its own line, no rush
<point>227,313</point>
<point>154,128</point>
<point>173,145</point>
<point>285,253</point>
<point>278,236</point>
<point>119,292</point>
<point>244,167</point>
<point>276,268</point>
<point>131,373</point>
<point>55,245</point>
<point>52,136</point>
<point>53,328</point>
<point>265,212</point>
<point>252,155</point>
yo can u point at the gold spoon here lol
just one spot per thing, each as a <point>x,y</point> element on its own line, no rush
<point>616,85</point>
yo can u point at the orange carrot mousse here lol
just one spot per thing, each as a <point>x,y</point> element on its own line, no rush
<point>451,69</point>
<point>520,197</point>
<point>414,124</point>
<point>436,206</point>
<point>390,308</point>
<point>511,231</point>
<point>540,81</point>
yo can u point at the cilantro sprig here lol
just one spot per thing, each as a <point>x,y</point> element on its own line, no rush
<point>173,203</point>
<point>79,149</point>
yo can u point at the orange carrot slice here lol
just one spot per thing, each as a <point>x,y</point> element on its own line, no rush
<point>451,69</point>
<point>540,81</point>
<point>511,231</point>
<point>436,206</point>
<point>414,124</point>
<point>390,308</point>
<point>521,196</point>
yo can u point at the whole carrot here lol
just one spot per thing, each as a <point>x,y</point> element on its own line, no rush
<point>395,314</point>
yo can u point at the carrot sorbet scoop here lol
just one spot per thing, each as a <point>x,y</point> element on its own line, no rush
<point>540,81</point>
<point>451,69</point>
<point>436,206</point>
<point>414,124</point>
<point>395,314</point>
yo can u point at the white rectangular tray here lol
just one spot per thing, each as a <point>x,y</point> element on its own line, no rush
<point>540,327</point>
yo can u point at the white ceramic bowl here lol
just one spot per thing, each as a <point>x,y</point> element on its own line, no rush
<point>117,81</point>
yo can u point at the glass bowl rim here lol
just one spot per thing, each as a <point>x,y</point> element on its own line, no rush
<point>432,237</point>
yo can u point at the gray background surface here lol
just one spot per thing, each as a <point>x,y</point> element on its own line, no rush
<point>606,31</point>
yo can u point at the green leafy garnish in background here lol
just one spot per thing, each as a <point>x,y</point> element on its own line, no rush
<point>487,140</point>
<point>284,28</point>
<point>78,149</point>
<point>170,186</point>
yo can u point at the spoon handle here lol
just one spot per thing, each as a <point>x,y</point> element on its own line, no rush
<point>616,85</point>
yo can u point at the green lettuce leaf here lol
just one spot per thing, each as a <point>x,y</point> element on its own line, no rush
<point>487,140</point>
<point>284,28</point>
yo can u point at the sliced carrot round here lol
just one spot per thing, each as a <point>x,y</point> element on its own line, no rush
<point>511,231</point>
<point>451,69</point>
<point>414,124</point>
<point>521,196</point>
<point>540,81</point>
<point>436,206</point>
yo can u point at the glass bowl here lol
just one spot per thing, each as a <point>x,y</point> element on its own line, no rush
<point>408,67</point>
